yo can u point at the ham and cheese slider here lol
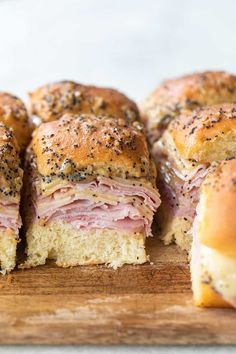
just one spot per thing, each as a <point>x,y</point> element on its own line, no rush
<point>92,192</point>
<point>51,101</point>
<point>186,152</point>
<point>10,187</point>
<point>14,115</point>
<point>183,95</point>
<point>213,256</point>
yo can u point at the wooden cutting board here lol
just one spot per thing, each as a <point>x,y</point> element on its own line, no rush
<point>148,304</point>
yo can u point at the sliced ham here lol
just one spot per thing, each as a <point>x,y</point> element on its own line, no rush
<point>10,217</point>
<point>124,187</point>
<point>101,203</point>
<point>180,191</point>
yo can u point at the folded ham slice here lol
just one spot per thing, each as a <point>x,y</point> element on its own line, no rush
<point>10,217</point>
<point>180,191</point>
<point>100,203</point>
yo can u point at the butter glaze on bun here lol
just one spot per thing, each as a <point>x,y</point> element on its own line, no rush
<point>14,115</point>
<point>78,146</point>
<point>183,95</point>
<point>51,101</point>
<point>207,134</point>
<point>10,172</point>
<point>11,183</point>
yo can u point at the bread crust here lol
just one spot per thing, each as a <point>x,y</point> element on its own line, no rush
<point>51,101</point>
<point>14,115</point>
<point>217,221</point>
<point>205,135</point>
<point>10,172</point>
<point>79,146</point>
<point>205,296</point>
<point>183,95</point>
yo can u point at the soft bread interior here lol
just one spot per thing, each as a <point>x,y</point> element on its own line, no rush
<point>69,246</point>
<point>178,230</point>
<point>174,229</point>
<point>8,245</point>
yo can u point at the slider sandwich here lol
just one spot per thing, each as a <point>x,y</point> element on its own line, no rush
<point>186,152</point>
<point>213,256</point>
<point>183,95</point>
<point>13,114</point>
<point>51,101</point>
<point>10,187</point>
<point>92,194</point>
<point>191,126</point>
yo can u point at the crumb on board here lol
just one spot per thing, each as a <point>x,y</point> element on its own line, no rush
<point>9,278</point>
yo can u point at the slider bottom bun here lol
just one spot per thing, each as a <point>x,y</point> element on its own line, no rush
<point>203,294</point>
<point>174,229</point>
<point>69,246</point>
<point>8,244</point>
<point>213,277</point>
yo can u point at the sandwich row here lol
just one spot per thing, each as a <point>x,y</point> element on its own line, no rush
<point>88,195</point>
<point>90,192</point>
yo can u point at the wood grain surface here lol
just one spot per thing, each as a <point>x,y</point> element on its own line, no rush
<point>148,304</point>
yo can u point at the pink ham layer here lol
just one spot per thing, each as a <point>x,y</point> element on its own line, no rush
<point>85,213</point>
<point>187,194</point>
<point>182,198</point>
<point>10,217</point>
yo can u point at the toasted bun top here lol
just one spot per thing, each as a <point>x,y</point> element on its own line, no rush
<point>14,115</point>
<point>185,94</point>
<point>51,101</point>
<point>217,209</point>
<point>10,172</point>
<point>205,135</point>
<point>78,146</point>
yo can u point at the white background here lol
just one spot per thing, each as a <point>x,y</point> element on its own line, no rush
<point>128,44</point>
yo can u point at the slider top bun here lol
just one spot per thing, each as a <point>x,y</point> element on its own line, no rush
<point>76,147</point>
<point>205,135</point>
<point>10,172</point>
<point>217,209</point>
<point>14,115</point>
<point>51,101</point>
<point>185,94</point>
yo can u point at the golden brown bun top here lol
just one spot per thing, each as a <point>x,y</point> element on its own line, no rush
<point>205,135</point>
<point>51,101</point>
<point>217,209</point>
<point>10,172</point>
<point>78,146</point>
<point>14,115</point>
<point>185,94</point>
